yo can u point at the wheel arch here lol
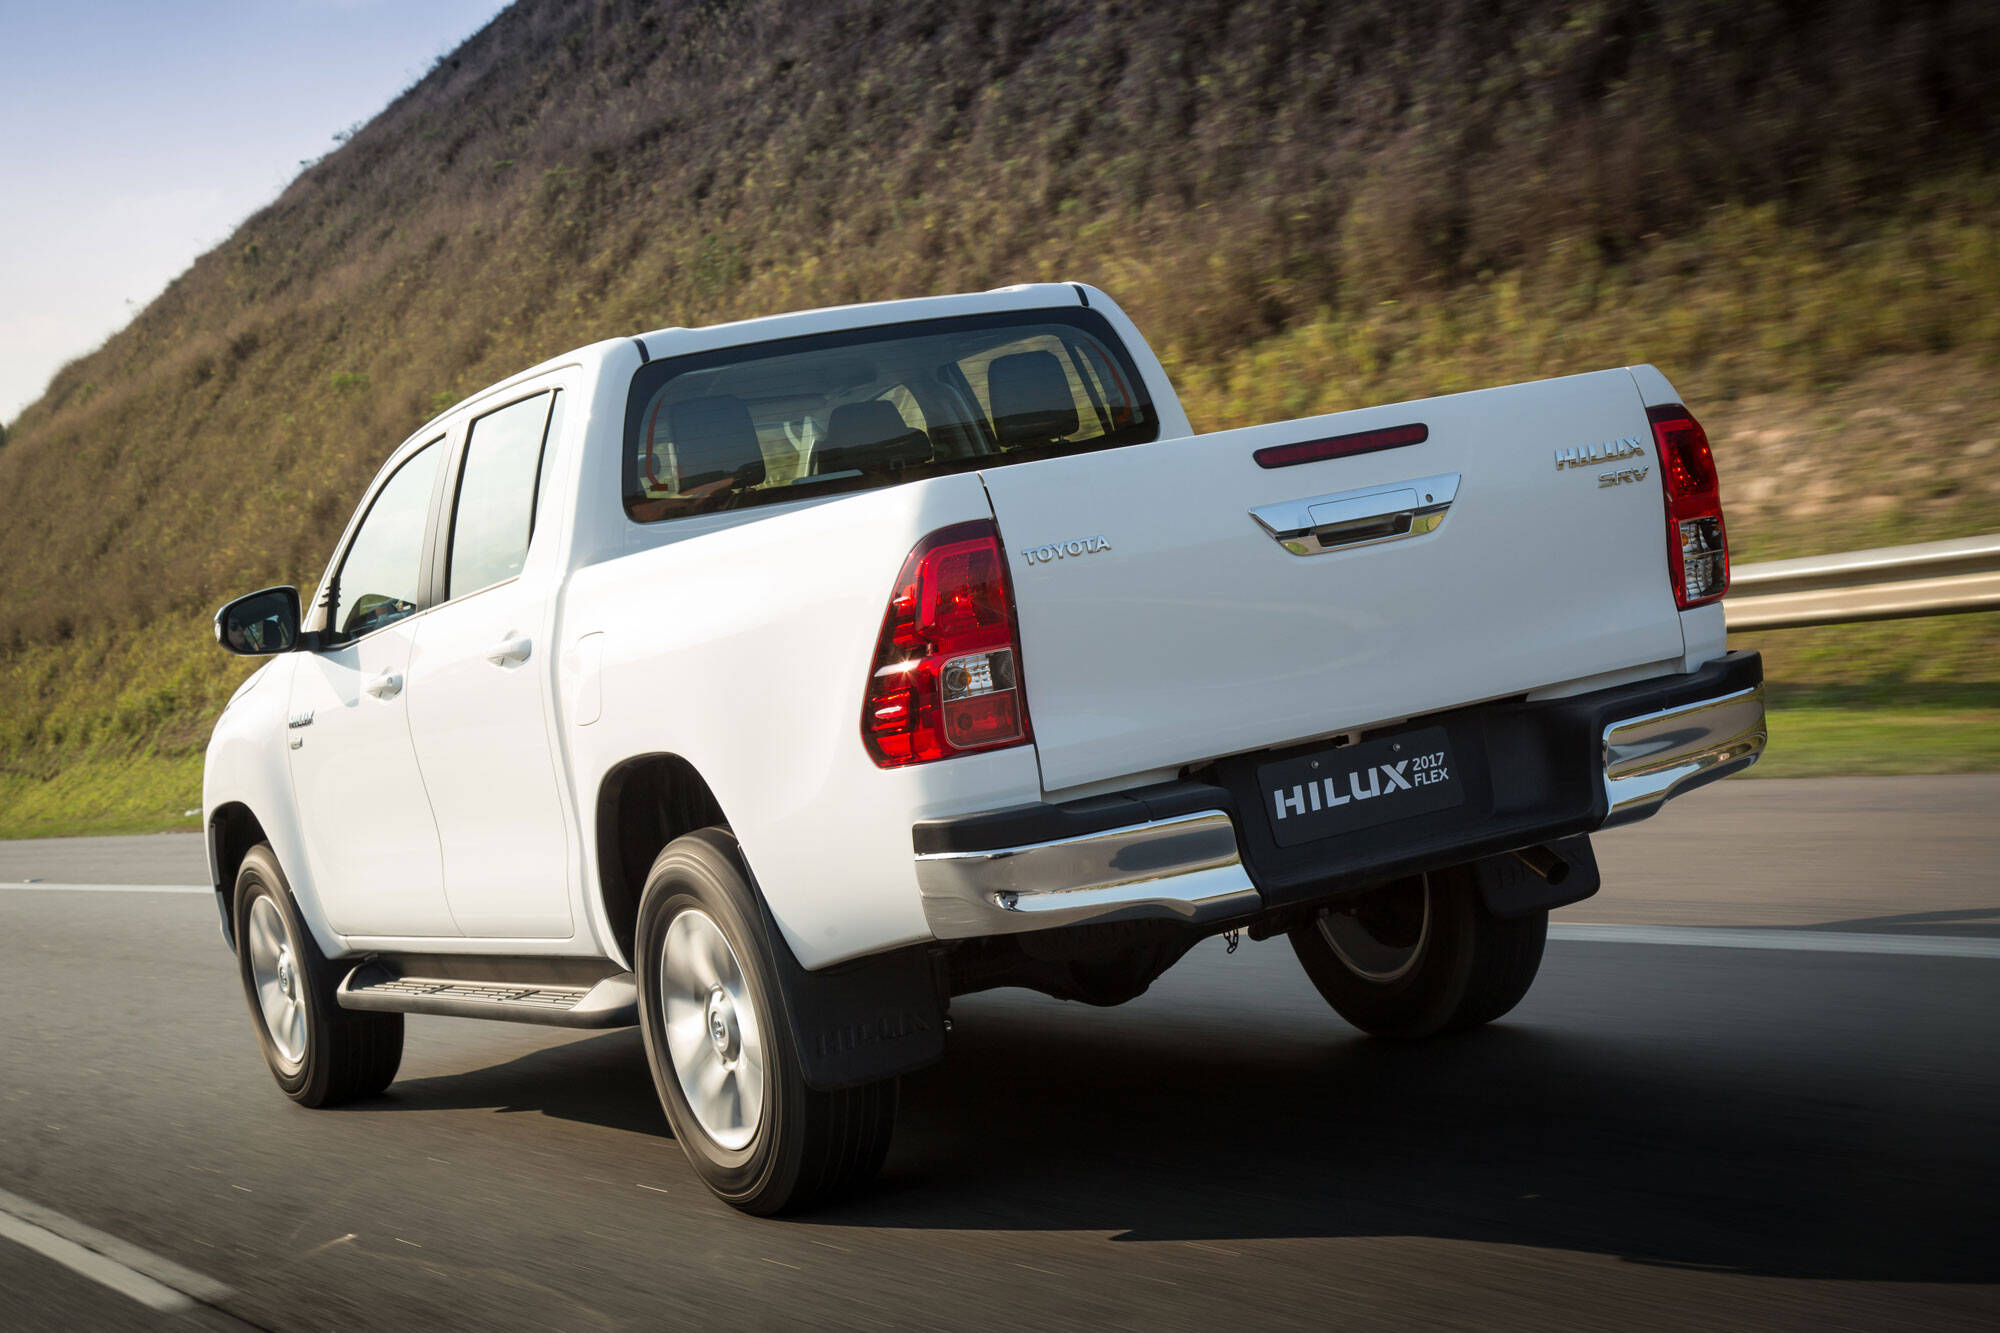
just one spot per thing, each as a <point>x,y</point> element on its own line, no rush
<point>233,829</point>
<point>644,803</point>
<point>868,1019</point>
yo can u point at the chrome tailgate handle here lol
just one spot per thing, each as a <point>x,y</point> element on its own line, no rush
<point>1317,524</point>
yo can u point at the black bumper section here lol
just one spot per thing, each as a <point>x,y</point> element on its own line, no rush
<point>1534,775</point>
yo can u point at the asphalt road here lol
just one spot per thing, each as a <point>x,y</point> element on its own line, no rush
<point>1662,1134</point>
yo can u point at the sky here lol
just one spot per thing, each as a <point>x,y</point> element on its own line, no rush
<point>135,136</point>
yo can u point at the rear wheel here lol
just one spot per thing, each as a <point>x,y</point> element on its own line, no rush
<point>320,1054</point>
<point>1422,956</point>
<point>723,1057</point>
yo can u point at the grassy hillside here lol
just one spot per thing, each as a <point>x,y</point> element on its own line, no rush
<point>1792,209</point>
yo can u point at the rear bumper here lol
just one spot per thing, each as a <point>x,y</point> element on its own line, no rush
<point>1650,759</point>
<point>1184,866</point>
<point>1193,851</point>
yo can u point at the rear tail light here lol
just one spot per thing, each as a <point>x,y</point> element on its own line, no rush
<point>946,677</point>
<point>1697,545</point>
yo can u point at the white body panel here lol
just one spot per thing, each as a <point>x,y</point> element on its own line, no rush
<point>1197,635</point>
<point>750,663</point>
<point>741,641</point>
<point>481,732</point>
<point>246,766</point>
<point>371,841</point>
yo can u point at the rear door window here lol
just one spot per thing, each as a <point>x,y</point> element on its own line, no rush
<point>498,492</point>
<point>798,417</point>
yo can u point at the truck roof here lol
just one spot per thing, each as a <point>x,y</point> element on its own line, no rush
<point>1026,296</point>
<point>679,340</point>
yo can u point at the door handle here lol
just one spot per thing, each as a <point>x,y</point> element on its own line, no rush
<point>510,650</point>
<point>385,686</point>
<point>1322,523</point>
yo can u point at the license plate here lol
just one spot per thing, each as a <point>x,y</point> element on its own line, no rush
<point>1358,786</point>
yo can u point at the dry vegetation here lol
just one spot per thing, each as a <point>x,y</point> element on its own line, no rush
<point>1791,208</point>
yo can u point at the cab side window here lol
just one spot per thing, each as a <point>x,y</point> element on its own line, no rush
<point>498,490</point>
<point>381,574</point>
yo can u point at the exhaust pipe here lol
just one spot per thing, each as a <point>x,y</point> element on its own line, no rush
<point>1551,868</point>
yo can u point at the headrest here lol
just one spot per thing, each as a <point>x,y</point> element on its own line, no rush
<point>1031,398</point>
<point>869,437</point>
<point>714,440</point>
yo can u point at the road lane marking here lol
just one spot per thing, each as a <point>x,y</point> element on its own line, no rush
<point>136,1274</point>
<point>1781,937</point>
<point>126,1282</point>
<point>1701,937</point>
<point>39,887</point>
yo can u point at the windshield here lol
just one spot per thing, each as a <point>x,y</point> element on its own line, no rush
<point>799,417</point>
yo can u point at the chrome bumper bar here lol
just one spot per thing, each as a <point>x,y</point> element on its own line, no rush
<point>1186,867</point>
<point>1654,757</point>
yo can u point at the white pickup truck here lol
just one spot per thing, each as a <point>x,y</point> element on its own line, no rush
<point>768,685</point>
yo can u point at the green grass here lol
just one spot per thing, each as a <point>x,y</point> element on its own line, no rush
<point>103,793</point>
<point>1883,727</point>
<point>1822,742</point>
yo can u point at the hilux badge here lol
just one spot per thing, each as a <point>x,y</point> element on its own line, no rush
<point>1607,452</point>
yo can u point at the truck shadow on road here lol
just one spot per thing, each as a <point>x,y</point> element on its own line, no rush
<point>1509,1135</point>
<point>1047,1118</point>
<point>600,1080</point>
<point>1504,1136</point>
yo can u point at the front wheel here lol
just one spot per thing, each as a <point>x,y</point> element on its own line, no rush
<point>1422,956</point>
<point>724,1061</point>
<point>320,1054</point>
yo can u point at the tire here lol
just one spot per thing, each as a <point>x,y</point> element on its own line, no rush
<point>717,1038</point>
<point>1422,957</point>
<point>321,1054</point>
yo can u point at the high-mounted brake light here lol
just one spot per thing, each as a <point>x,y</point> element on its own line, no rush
<point>946,677</point>
<point>1342,446</point>
<point>1697,545</point>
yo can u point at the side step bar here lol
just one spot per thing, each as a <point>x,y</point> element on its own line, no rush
<point>610,1003</point>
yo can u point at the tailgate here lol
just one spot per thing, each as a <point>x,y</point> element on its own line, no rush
<point>1163,623</point>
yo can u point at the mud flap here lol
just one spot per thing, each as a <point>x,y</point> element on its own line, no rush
<point>1510,889</point>
<point>863,1021</point>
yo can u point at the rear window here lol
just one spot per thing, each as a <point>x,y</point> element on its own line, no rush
<point>800,417</point>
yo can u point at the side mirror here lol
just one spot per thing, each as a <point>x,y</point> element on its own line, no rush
<point>264,622</point>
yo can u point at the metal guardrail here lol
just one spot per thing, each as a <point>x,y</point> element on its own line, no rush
<point>1888,583</point>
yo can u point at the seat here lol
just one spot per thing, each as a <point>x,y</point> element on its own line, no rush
<point>1031,399</point>
<point>714,441</point>
<point>869,437</point>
